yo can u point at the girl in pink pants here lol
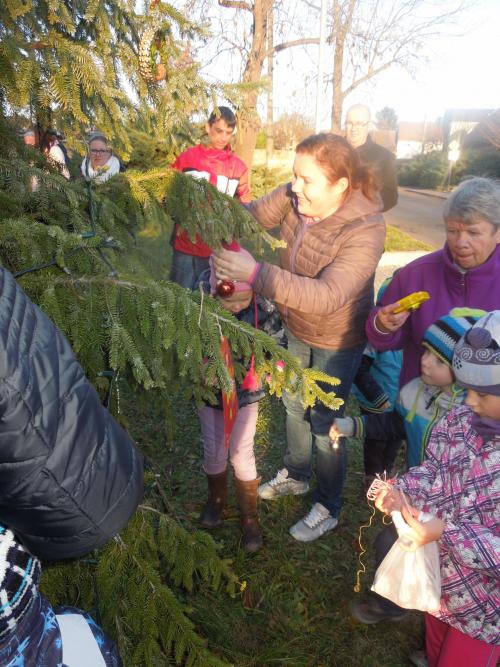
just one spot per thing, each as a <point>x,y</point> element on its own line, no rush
<point>263,315</point>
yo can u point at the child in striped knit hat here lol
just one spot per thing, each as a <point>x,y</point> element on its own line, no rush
<point>32,634</point>
<point>423,400</point>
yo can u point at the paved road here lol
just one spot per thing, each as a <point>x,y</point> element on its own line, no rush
<point>420,216</point>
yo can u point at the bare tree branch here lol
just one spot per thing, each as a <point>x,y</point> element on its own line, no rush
<point>295,42</point>
<point>236,4</point>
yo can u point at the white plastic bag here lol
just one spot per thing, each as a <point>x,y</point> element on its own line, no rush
<point>410,579</point>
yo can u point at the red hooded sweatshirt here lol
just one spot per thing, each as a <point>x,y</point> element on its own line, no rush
<point>221,168</point>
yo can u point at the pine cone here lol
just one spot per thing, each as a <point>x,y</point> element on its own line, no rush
<point>144,54</point>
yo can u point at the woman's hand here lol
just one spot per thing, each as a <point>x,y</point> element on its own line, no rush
<point>388,321</point>
<point>231,265</point>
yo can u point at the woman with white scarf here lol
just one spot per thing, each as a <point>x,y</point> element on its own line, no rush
<point>101,164</point>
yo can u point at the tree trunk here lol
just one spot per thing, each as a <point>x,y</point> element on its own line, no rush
<point>270,72</point>
<point>342,22</point>
<point>248,123</point>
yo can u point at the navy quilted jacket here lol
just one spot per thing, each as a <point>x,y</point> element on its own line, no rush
<point>70,477</point>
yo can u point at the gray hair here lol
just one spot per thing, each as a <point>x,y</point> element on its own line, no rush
<point>474,200</point>
<point>98,135</point>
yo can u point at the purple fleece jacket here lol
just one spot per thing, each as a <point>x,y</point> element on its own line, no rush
<point>448,287</point>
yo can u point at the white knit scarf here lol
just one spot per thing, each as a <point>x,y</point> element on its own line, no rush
<point>103,173</point>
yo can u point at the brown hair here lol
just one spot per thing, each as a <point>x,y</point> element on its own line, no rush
<point>222,113</point>
<point>339,159</point>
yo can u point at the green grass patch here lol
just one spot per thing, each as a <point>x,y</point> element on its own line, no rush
<point>293,608</point>
<point>397,240</point>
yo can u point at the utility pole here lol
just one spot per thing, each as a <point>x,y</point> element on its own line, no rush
<point>321,60</point>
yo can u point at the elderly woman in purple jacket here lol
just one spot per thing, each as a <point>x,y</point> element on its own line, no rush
<point>465,272</point>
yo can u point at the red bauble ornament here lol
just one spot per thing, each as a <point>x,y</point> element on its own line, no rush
<point>225,288</point>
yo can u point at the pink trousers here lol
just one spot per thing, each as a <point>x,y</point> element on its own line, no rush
<point>447,647</point>
<point>240,452</point>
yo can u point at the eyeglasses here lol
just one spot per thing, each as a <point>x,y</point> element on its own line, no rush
<point>99,151</point>
<point>355,126</point>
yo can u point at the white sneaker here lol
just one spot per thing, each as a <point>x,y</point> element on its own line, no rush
<point>282,485</point>
<point>315,524</point>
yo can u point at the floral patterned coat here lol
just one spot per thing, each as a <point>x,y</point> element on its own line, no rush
<point>460,483</point>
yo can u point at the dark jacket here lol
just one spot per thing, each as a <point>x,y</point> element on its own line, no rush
<point>383,164</point>
<point>70,477</point>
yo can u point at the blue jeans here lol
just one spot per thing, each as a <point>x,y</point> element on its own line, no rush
<point>307,427</point>
<point>187,268</point>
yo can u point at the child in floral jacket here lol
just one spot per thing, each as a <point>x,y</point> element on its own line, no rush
<point>459,483</point>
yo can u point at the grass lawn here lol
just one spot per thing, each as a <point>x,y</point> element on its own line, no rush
<point>397,240</point>
<point>294,605</point>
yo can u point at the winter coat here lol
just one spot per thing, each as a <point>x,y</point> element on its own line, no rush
<point>377,379</point>
<point>221,168</point>
<point>448,287</point>
<point>460,483</point>
<point>70,477</point>
<point>422,406</point>
<point>383,164</point>
<point>32,633</point>
<point>324,287</point>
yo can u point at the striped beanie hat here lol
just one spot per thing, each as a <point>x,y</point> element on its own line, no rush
<point>19,579</point>
<point>476,362</point>
<point>443,335</point>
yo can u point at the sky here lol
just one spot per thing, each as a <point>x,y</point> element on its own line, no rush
<point>461,72</point>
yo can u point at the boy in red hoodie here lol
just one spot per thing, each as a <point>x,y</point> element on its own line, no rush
<point>216,163</point>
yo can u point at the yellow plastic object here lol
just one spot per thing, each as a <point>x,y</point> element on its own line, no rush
<point>412,301</point>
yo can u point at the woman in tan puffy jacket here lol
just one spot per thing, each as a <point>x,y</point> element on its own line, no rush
<point>330,218</point>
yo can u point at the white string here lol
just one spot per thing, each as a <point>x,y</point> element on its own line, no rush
<point>202,292</point>
<point>220,328</point>
<point>379,483</point>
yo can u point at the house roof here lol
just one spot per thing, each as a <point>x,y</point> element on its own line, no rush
<point>420,131</point>
<point>486,132</point>
<point>467,115</point>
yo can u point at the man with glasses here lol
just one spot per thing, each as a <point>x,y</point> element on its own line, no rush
<point>379,159</point>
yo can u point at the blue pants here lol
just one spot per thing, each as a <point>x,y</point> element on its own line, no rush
<point>305,427</point>
<point>187,268</point>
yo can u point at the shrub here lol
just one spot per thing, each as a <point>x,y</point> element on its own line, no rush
<point>264,180</point>
<point>424,171</point>
<point>478,162</point>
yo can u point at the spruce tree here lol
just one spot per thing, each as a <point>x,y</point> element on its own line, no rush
<point>77,249</point>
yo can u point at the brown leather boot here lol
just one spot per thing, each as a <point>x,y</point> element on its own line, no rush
<point>211,515</point>
<point>246,495</point>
